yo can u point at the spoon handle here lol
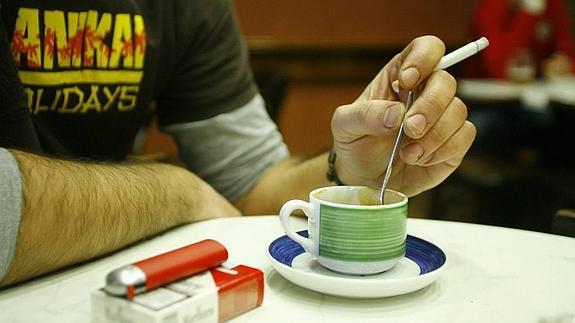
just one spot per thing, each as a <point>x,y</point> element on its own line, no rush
<point>408,104</point>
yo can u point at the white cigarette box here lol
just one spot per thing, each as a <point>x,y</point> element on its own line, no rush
<point>212,296</point>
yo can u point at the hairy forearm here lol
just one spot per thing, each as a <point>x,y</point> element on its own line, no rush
<point>75,211</point>
<point>290,179</point>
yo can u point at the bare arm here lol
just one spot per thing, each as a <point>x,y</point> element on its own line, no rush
<point>292,178</point>
<point>75,211</point>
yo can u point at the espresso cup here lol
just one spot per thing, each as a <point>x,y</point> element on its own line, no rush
<point>349,230</point>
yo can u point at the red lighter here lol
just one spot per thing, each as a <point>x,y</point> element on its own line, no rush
<point>156,271</point>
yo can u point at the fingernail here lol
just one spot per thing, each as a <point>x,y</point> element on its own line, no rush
<point>391,118</point>
<point>409,77</point>
<point>416,124</point>
<point>395,86</point>
<point>411,153</point>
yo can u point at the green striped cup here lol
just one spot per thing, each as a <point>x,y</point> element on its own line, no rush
<point>349,230</point>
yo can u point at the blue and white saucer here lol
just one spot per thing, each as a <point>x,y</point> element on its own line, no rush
<point>422,264</point>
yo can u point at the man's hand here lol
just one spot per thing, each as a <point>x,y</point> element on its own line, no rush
<point>436,132</point>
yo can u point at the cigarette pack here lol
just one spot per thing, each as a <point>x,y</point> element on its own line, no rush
<point>212,296</point>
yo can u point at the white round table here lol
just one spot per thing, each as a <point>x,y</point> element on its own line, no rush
<point>493,275</point>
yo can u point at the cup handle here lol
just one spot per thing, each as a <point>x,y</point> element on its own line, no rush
<point>285,212</point>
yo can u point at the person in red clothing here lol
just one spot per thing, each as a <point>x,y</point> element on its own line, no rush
<point>528,39</point>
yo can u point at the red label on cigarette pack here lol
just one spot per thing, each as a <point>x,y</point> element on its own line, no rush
<point>239,289</point>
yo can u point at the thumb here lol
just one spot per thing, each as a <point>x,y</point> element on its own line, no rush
<point>366,118</point>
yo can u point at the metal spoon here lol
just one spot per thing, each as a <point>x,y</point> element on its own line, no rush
<point>408,104</point>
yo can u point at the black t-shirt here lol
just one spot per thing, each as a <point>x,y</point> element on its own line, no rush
<point>90,69</point>
<point>16,128</point>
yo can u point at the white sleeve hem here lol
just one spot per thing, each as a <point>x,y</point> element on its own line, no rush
<point>232,150</point>
<point>10,208</point>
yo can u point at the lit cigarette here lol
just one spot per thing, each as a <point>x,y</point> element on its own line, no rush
<point>454,57</point>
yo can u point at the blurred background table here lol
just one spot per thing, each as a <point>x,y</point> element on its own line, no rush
<point>520,171</point>
<point>538,94</point>
<point>493,275</point>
